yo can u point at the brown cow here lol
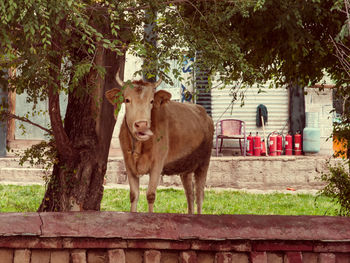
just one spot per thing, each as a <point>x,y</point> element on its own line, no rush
<point>159,136</point>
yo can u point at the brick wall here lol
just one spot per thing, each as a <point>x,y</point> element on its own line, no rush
<point>96,237</point>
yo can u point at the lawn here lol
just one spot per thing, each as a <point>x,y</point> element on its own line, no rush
<point>27,199</point>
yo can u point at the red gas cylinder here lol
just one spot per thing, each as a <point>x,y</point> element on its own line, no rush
<point>263,148</point>
<point>272,144</point>
<point>257,145</point>
<point>279,144</point>
<point>288,145</point>
<point>250,145</point>
<point>297,144</point>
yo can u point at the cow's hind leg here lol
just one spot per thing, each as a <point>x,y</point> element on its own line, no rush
<point>186,179</point>
<point>200,176</point>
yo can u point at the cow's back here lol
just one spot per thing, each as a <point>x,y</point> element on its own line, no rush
<point>190,137</point>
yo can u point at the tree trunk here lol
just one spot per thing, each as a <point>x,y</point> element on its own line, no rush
<point>77,182</point>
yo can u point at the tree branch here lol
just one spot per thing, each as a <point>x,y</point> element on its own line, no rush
<point>341,55</point>
<point>167,3</point>
<point>347,6</point>
<point>193,5</point>
<point>10,115</point>
<point>64,145</point>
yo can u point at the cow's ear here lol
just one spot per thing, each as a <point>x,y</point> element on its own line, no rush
<point>161,97</point>
<point>112,96</point>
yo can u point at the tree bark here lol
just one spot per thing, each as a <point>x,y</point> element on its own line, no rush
<point>11,128</point>
<point>77,182</point>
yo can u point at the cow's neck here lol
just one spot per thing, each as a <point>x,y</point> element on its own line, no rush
<point>136,146</point>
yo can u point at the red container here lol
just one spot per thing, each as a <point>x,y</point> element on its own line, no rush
<point>257,145</point>
<point>297,144</point>
<point>272,145</point>
<point>288,145</point>
<point>279,144</point>
<point>250,145</point>
<point>263,148</point>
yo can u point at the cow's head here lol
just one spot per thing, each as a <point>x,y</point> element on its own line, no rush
<point>139,98</point>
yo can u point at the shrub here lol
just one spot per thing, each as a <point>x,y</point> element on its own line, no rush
<point>338,186</point>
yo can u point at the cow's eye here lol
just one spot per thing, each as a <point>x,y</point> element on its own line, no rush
<point>151,101</point>
<point>127,101</point>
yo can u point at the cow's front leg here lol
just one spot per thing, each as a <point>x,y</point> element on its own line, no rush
<point>154,178</point>
<point>134,183</point>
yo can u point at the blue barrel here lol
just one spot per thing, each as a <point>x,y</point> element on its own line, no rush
<point>311,133</point>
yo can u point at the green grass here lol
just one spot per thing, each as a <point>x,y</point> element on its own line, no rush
<point>28,198</point>
<point>20,198</point>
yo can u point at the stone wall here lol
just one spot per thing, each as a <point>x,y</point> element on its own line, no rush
<point>98,237</point>
<point>261,173</point>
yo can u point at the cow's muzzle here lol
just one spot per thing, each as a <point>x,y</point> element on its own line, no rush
<point>142,131</point>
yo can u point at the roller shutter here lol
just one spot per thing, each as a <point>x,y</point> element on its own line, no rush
<point>276,101</point>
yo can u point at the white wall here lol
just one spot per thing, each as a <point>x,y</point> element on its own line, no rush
<point>322,102</point>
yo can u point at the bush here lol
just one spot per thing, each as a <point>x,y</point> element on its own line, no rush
<point>338,186</point>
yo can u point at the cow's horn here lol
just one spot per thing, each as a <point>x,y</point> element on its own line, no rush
<point>158,82</point>
<point>119,81</point>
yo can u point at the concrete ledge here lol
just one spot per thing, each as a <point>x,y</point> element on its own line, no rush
<point>179,227</point>
<point>261,173</point>
<point>142,237</point>
<point>258,173</point>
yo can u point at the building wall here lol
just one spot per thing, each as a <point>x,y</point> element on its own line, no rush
<point>276,101</point>
<point>321,101</point>
<point>39,115</point>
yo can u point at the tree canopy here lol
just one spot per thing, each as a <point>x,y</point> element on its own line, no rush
<point>251,41</point>
<point>278,40</point>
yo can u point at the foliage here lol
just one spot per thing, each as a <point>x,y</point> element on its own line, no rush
<point>280,40</point>
<point>251,41</point>
<point>338,187</point>
<point>42,155</point>
<point>26,199</point>
<point>342,53</point>
<point>338,177</point>
<point>52,43</point>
